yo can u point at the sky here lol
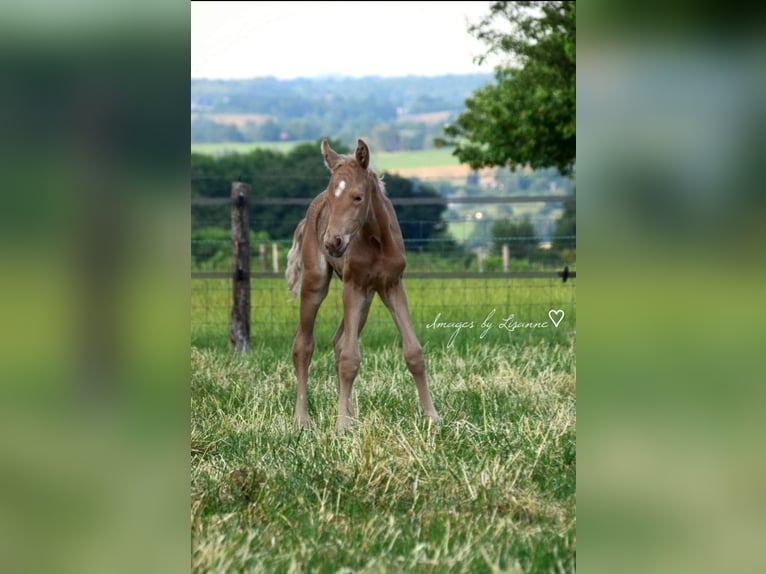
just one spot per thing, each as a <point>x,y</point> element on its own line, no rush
<point>309,39</point>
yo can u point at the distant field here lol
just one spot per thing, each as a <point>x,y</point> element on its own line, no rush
<point>239,120</point>
<point>403,160</point>
<point>432,164</point>
<point>426,164</point>
<point>426,118</point>
<point>226,148</point>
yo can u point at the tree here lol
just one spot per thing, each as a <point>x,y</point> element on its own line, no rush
<point>528,116</point>
<point>301,173</point>
<point>520,237</point>
<point>205,130</point>
<point>423,226</point>
<point>566,230</point>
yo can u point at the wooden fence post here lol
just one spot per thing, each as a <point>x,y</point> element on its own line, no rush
<point>506,257</point>
<point>275,257</point>
<point>239,329</point>
<point>262,256</point>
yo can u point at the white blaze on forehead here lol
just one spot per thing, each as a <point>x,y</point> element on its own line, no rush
<point>340,188</point>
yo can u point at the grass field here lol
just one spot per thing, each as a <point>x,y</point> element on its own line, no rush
<point>383,161</point>
<point>467,301</point>
<point>414,159</point>
<point>239,120</point>
<point>241,147</point>
<point>491,489</point>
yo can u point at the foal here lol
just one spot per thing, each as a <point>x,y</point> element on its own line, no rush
<point>350,229</point>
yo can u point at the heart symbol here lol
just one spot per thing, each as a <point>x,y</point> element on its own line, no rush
<point>556,316</point>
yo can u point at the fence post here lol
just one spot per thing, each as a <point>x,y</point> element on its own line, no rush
<point>239,329</point>
<point>262,255</point>
<point>275,257</point>
<point>506,257</point>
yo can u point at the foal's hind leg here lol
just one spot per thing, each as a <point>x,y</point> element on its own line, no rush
<point>396,301</point>
<point>313,292</point>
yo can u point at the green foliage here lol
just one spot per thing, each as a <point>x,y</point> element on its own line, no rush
<point>520,237</point>
<point>206,130</point>
<point>566,230</point>
<point>423,226</point>
<point>528,116</point>
<point>439,259</point>
<point>211,246</point>
<point>268,131</point>
<point>301,173</point>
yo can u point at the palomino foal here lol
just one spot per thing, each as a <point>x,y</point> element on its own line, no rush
<point>350,229</point>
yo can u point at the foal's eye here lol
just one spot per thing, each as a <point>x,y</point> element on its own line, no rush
<point>358,199</point>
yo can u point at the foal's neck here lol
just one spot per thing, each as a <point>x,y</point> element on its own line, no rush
<point>377,227</point>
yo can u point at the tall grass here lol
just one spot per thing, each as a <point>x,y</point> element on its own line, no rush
<point>492,489</point>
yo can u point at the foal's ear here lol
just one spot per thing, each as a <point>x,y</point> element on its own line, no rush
<point>362,153</point>
<point>330,157</point>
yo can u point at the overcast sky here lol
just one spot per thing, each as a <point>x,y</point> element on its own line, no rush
<point>308,39</point>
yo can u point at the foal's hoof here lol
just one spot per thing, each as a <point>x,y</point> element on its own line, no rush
<point>434,418</point>
<point>343,424</point>
<point>301,423</point>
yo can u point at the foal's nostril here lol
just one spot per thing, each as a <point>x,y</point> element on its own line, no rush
<point>335,245</point>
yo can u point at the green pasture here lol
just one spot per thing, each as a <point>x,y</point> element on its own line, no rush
<point>445,312</point>
<point>492,489</point>
<point>389,161</point>
<point>226,148</point>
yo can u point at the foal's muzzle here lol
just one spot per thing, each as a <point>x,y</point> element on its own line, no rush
<point>336,246</point>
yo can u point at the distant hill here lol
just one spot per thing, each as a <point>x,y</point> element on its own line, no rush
<point>394,114</point>
<point>272,96</point>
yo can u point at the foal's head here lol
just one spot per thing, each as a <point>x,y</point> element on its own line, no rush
<point>348,195</point>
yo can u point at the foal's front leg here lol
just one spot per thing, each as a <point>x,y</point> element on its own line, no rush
<point>356,302</point>
<point>337,345</point>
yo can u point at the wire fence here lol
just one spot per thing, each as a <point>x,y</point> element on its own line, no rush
<point>467,283</point>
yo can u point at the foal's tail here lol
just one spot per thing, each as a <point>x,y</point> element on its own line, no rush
<point>294,272</point>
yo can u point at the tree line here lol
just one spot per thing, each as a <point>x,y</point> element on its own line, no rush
<point>301,173</point>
